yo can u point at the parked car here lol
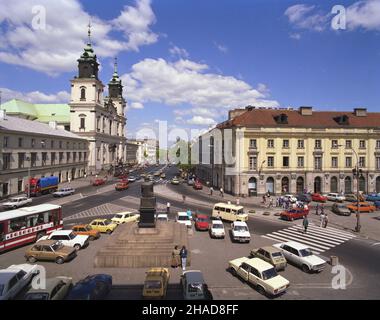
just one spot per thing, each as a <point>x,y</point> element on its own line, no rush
<point>197,185</point>
<point>317,197</point>
<point>259,273</point>
<point>17,202</point>
<point>351,197</point>
<point>194,286</point>
<point>64,192</point>
<point>183,218</point>
<point>156,283</point>
<point>99,182</point>
<point>162,217</point>
<point>293,214</point>
<point>304,197</point>
<point>132,179</point>
<point>240,232</point>
<point>336,197</point>
<point>341,209</point>
<point>56,289</point>
<point>15,278</point>
<point>174,181</point>
<point>125,217</point>
<point>202,222</point>
<point>50,250</point>
<point>190,182</point>
<point>363,207</point>
<point>103,225</point>
<point>290,197</point>
<point>217,229</point>
<point>93,287</point>
<point>271,255</point>
<point>122,185</point>
<point>68,238</point>
<point>86,230</point>
<point>373,197</point>
<point>302,256</point>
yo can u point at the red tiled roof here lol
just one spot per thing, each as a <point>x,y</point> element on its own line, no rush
<point>319,119</point>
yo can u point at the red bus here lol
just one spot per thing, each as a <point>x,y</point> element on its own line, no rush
<point>25,225</point>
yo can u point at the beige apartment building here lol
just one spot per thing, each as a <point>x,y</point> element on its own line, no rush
<point>33,149</point>
<point>289,151</point>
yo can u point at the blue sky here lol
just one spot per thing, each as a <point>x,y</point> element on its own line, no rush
<point>188,62</point>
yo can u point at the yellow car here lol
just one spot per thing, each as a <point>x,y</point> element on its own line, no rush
<point>124,217</point>
<point>103,225</point>
<point>156,283</point>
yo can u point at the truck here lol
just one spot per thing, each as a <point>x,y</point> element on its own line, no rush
<point>42,185</point>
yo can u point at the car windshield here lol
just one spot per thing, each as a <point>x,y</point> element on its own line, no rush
<point>13,200</point>
<point>37,296</point>
<point>240,228</point>
<point>72,235</point>
<point>196,287</point>
<point>202,219</point>
<point>153,284</point>
<point>306,252</point>
<point>162,218</point>
<point>217,226</point>
<point>183,218</point>
<point>56,246</point>
<point>269,274</point>
<point>107,222</point>
<point>240,211</point>
<point>276,254</point>
<point>118,216</point>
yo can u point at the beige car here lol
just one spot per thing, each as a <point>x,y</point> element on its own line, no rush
<point>259,273</point>
<point>156,283</point>
<point>50,250</point>
<point>272,255</point>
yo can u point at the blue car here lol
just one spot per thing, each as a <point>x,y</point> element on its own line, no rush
<point>377,204</point>
<point>373,197</point>
<point>94,287</point>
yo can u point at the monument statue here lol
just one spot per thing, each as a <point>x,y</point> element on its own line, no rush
<point>147,206</point>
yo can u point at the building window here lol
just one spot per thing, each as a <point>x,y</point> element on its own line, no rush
<point>318,163</point>
<point>253,143</point>
<point>285,162</point>
<point>43,144</point>
<point>285,144</point>
<point>270,162</point>
<point>362,162</point>
<point>252,163</point>
<point>110,128</point>
<point>33,143</point>
<point>53,158</point>
<point>98,153</point>
<point>98,124</point>
<point>6,161</point>
<point>83,93</point>
<point>318,144</point>
<point>67,145</point>
<point>44,157</point>
<point>68,157</point>
<point>348,144</point>
<point>84,156</point>
<point>334,162</point>
<point>334,144</point>
<point>52,144</point>
<point>377,163</point>
<point>301,162</point>
<point>82,123</point>
<point>301,144</point>
<point>20,142</point>
<point>80,156</point>
<point>60,144</point>
<point>21,160</point>
<point>348,162</point>
<point>6,142</point>
<point>33,159</point>
<point>270,143</point>
<point>74,156</point>
<point>377,144</point>
<point>60,157</point>
<point>362,144</point>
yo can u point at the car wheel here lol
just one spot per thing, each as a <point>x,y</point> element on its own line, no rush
<point>32,259</point>
<point>109,231</point>
<point>305,268</point>
<point>91,238</point>
<point>77,247</point>
<point>261,290</point>
<point>59,260</point>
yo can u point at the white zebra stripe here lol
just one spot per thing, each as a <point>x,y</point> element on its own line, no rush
<point>323,235</point>
<point>334,231</point>
<point>335,234</point>
<point>311,237</point>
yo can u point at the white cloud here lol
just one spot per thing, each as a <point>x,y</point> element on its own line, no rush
<point>136,105</point>
<point>35,96</point>
<point>201,121</point>
<point>364,14</point>
<point>304,17</point>
<point>222,48</point>
<point>295,36</point>
<point>178,52</point>
<point>56,48</point>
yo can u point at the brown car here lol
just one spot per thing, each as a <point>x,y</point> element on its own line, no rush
<point>50,250</point>
<point>272,255</point>
<point>86,230</point>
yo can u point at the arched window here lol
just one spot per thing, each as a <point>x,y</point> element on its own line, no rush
<point>83,93</point>
<point>318,185</point>
<point>270,185</point>
<point>348,185</point>
<point>252,186</point>
<point>285,185</point>
<point>362,184</point>
<point>82,119</point>
<point>334,184</point>
<point>300,185</point>
<point>378,184</point>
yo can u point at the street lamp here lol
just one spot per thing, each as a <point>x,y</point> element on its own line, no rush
<point>357,172</point>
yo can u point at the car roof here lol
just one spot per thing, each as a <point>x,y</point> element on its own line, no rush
<point>270,249</point>
<point>259,264</point>
<point>240,223</point>
<point>231,205</point>
<point>45,242</point>
<point>80,226</point>
<point>217,221</point>
<point>182,213</point>
<point>62,232</point>
<point>201,215</point>
<point>296,245</point>
<point>99,220</point>
<point>194,276</point>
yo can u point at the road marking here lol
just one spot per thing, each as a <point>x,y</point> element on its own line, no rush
<point>309,237</point>
<point>322,235</point>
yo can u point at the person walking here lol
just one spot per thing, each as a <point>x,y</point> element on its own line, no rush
<point>237,201</point>
<point>326,221</point>
<point>322,209</point>
<point>323,217</point>
<point>317,209</point>
<point>183,255</point>
<point>221,192</point>
<point>305,224</point>
<point>168,208</point>
<point>264,199</point>
<point>211,190</point>
<point>183,198</point>
<point>175,257</point>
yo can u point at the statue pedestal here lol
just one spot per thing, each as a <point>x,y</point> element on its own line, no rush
<point>133,247</point>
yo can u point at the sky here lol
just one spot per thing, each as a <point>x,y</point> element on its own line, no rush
<point>189,62</point>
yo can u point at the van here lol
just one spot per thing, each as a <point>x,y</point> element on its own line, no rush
<point>229,212</point>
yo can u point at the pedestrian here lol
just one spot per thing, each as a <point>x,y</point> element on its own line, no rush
<point>168,208</point>
<point>322,209</point>
<point>326,220</point>
<point>264,199</point>
<point>211,190</point>
<point>305,223</point>
<point>237,201</point>
<point>322,220</point>
<point>221,192</point>
<point>189,213</point>
<point>207,183</point>
<point>270,203</point>
<point>317,209</point>
<point>183,198</point>
<point>183,255</point>
<point>175,257</point>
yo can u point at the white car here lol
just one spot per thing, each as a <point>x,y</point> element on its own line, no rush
<point>125,217</point>
<point>16,278</point>
<point>217,229</point>
<point>290,197</point>
<point>68,238</point>
<point>64,192</point>
<point>17,202</point>
<point>184,218</point>
<point>240,232</point>
<point>162,217</point>
<point>335,197</point>
<point>302,256</point>
<point>131,179</point>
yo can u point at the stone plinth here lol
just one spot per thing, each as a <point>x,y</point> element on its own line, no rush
<point>134,247</point>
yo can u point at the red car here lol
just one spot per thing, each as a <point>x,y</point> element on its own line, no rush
<point>197,185</point>
<point>99,182</point>
<point>202,222</point>
<point>293,214</point>
<point>318,197</point>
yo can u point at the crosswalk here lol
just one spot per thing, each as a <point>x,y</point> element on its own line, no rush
<point>99,211</point>
<point>317,238</point>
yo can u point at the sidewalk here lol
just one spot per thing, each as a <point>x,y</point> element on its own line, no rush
<point>82,182</point>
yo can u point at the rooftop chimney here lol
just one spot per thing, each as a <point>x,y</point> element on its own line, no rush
<point>2,114</point>
<point>306,111</point>
<point>235,112</point>
<point>360,112</point>
<point>53,125</point>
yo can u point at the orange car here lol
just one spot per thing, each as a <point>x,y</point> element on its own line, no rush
<point>84,229</point>
<point>363,207</point>
<point>122,185</point>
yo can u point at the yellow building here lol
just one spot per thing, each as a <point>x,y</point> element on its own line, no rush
<point>289,151</point>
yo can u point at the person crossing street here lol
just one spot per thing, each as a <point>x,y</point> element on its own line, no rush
<point>305,224</point>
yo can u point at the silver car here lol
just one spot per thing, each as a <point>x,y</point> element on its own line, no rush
<point>64,192</point>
